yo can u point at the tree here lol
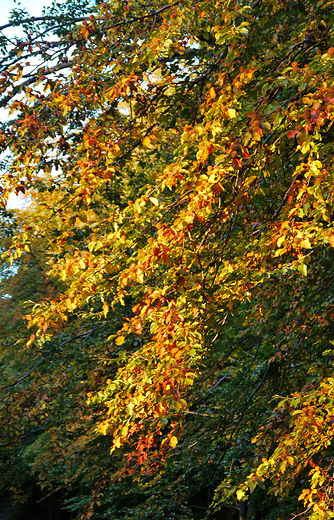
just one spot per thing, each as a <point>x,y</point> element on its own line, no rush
<point>184,155</point>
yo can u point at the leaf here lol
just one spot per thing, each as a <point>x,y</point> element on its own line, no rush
<point>306,243</point>
<point>154,201</point>
<point>173,441</point>
<point>105,309</point>
<point>231,113</point>
<point>283,466</point>
<point>146,142</point>
<point>240,494</point>
<point>292,134</point>
<point>120,340</point>
<point>281,240</point>
<point>103,428</point>
<point>302,268</point>
<point>213,94</point>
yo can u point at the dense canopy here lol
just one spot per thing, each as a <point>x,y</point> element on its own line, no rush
<point>166,337</point>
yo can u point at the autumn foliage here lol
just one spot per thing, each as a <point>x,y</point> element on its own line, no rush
<point>178,157</point>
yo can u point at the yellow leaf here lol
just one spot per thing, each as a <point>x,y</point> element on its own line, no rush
<point>173,441</point>
<point>231,113</point>
<point>129,408</point>
<point>302,268</point>
<point>140,277</point>
<point>154,201</point>
<point>283,466</point>
<point>146,141</point>
<point>213,93</point>
<point>105,309</point>
<point>81,264</point>
<point>189,219</point>
<point>31,340</point>
<point>103,427</point>
<point>305,243</point>
<point>280,241</point>
<point>116,150</point>
<point>117,442</point>
<point>120,340</point>
<point>290,460</point>
<point>240,494</point>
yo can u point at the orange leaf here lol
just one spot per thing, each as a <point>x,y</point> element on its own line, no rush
<point>331,240</point>
<point>292,134</point>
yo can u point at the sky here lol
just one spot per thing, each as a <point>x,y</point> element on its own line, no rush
<point>34,7</point>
